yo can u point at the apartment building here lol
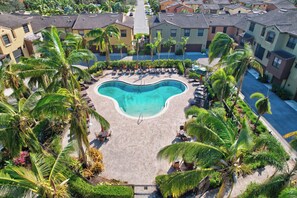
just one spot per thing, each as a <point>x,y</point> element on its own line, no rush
<point>274,40</point>
<point>236,9</point>
<point>87,22</point>
<point>210,9</point>
<point>181,25</point>
<point>13,32</point>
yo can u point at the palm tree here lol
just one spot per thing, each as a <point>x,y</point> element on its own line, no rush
<point>17,126</point>
<point>120,47</point>
<point>281,185</point>
<point>72,107</point>
<point>222,83</point>
<point>262,105</point>
<point>101,38</point>
<point>57,61</point>
<point>152,47</point>
<point>239,61</point>
<point>169,43</point>
<point>47,178</point>
<point>183,44</point>
<point>293,140</point>
<point>158,43</point>
<point>221,46</point>
<point>10,79</point>
<point>219,148</point>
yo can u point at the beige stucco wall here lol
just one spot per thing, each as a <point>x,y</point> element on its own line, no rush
<point>15,42</point>
<point>166,28</point>
<point>236,10</point>
<point>126,40</point>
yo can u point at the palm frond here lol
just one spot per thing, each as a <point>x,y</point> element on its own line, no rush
<point>103,122</point>
<point>289,192</point>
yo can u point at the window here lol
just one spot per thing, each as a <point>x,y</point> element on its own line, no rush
<point>213,30</point>
<point>263,31</point>
<point>6,39</point>
<point>276,62</point>
<point>81,32</point>
<point>268,54</point>
<point>200,32</point>
<point>157,32</point>
<point>26,28</point>
<point>270,37</point>
<point>252,26</point>
<point>259,51</point>
<point>18,54</point>
<point>123,33</point>
<point>292,42</point>
<point>187,32</point>
<point>225,29</point>
<point>173,32</point>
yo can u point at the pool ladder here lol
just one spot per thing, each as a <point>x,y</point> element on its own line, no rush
<point>140,118</point>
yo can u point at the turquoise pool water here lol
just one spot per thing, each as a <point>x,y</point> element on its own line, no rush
<point>145,100</point>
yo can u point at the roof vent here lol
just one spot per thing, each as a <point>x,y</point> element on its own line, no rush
<point>189,14</point>
<point>283,10</point>
<point>92,16</point>
<point>114,15</point>
<point>170,14</point>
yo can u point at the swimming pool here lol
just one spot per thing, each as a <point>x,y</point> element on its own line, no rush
<point>141,100</point>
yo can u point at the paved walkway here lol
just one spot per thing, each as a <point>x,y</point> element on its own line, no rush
<point>283,117</point>
<point>140,20</point>
<point>130,154</point>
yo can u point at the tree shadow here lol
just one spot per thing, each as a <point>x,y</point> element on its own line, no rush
<point>97,143</point>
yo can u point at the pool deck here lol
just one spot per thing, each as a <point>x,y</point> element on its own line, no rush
<point>130,154</point>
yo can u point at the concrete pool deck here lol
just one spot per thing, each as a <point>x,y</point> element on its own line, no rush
<point>130,154</point>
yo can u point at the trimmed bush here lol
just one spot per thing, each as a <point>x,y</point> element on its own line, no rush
<point>179,52</point>
<point>180,68</point>
<point>81,188</point>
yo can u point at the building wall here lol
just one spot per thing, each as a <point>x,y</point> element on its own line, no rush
<point>237,10</point>
<point>126,40</point>
<point>16,37</point>
<point>166,30</point>
<point>231,31</point>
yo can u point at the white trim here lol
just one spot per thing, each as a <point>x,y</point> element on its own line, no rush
<point>119,110</point>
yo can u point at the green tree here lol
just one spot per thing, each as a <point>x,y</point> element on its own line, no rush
<point>152,47</point>
<point>169,43</point>
<point>47,177</point>
<point>72,107</point>
<point>221,46</point>
<point>262,105</point>
<point>56,65</point>
<point>158,43</point>
<point>218,148</point>
<point>120,47</point>
<point>101,38</point>
<point>239,61</point>
<point>183,44</point>
<point>222,83</point>
<point>17,126</point>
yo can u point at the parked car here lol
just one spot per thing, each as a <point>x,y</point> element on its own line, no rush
<point>131,14</point>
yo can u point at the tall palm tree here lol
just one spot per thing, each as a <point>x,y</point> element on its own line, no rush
<point>121,46</point>
<point>239,61</point>
<point>169,43</point>
<point>183,44</point>
<point>17,126</point>
<point>101,38</point>
<point>218,148</point>
<point>222,82</point>
<point>262,105</point>
<point>158,43</point>
<point>57,61</point>
<point>72,107</point>
<point>46,178</point>
<point>152,47</point>
<point>221,46</point>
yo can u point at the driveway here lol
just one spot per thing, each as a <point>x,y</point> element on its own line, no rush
<point>283,117</point>
<point>140,22</point>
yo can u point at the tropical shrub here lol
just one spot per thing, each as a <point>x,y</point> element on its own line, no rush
<point>180,68</point>
<point>281,92</point>
<point>179,52</point>
<point>81,188</point>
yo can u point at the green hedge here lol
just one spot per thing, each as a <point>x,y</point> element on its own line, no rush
<point>80,188</point>
<point>134,64</point>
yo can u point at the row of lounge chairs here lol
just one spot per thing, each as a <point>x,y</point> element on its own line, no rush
<point>200,95</point>
<point>144,71</point>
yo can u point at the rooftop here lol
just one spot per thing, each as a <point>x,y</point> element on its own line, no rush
<point>281,4</point>
<point>224,19</point>
<point>91,21</point>
<point>211,6</point>
<point>11,21</point>
<point>181,20</point>
<point>224,2</point>
<point>284,20</point>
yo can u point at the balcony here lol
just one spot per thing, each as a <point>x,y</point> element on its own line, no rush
<point>280,64</point>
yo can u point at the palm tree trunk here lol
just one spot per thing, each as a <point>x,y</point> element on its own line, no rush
<point>152,54</point>
<point>82,154</point>
<point>256,123</point>
<point>237,94</point>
